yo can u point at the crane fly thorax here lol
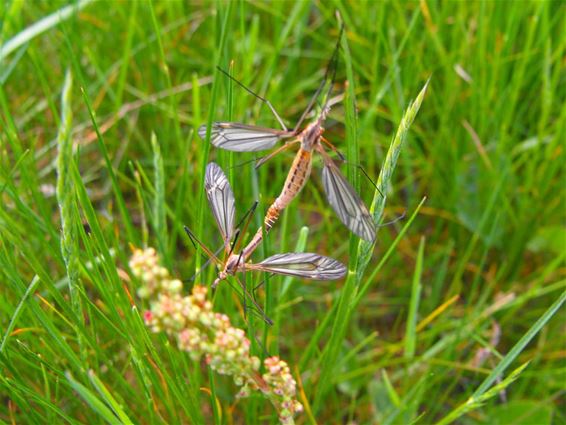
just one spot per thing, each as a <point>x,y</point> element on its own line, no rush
<point>311,135</point>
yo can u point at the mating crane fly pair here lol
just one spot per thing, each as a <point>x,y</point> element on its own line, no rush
<point>340,194</point>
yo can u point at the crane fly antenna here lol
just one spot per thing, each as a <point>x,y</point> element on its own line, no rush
<point>263,99</point>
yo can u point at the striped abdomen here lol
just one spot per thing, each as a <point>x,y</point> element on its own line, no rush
<point>295,181</point>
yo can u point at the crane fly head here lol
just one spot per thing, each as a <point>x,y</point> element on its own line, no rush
<point>230,268</point>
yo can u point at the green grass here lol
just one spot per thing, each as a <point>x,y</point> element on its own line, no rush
<point>98,113</point>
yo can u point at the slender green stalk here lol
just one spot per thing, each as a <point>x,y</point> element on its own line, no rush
<point>520,345</point>
<point>94,402</point>
<point>18,311</point>
<point>475,402</point>
<point>384,180</point>
<point>411,332</point>
<point>66,199</point>
<point>109,398</point>
<point>364,251</point>
<point>159,203</point>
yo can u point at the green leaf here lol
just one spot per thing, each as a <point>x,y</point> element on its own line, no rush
<point>93,401</point>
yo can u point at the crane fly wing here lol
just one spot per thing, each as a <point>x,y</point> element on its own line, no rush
<point>221,201</point>
<point>242,138</point>
<point>346,202</point>
<point>306,265</point>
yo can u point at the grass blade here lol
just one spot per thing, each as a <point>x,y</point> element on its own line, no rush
<point>520,346</point>
<point>67,202</point>
<point>110,400</point>
<point>345,305</point>
<point>92,400</point>
<point>411,333</point>
<point>35,281</point>
<point>41,26</point>
<point>159,205</point>
<point>365,248</point>
<point>483,392</point>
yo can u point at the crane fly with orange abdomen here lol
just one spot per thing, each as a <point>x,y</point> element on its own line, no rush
<point>340,194</point>
<point>222,203</point>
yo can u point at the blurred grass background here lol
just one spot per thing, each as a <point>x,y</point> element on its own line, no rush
<point>482,261</point>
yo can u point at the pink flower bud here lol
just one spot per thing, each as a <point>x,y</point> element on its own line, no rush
<point>201,332</point>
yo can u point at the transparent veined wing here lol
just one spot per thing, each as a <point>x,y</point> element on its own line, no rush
<point>346,202</point>
<point>306,265</point>
<point>221,201</point>
<point>242,138</point>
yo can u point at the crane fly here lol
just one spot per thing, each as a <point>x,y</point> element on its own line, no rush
<point>340,194</point>
<point>222,203</point>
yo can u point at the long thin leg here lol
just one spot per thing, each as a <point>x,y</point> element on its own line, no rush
<point>281,148</point>
<point>309,106</point>
<point>333,148</point>
<point>374,184</point>
<point>242,295</point>
<point>243,163</point>
<point>245,219</point>
<point>205,265</point>
<point>260,344</point>
<point>395,220</point>
<point>244,289</point>
<point>343,158</point>
<point>256,305</point>
<point>194,239</point>
<point>260,284</point>
<point>331,67</point>
<point>263,99</point>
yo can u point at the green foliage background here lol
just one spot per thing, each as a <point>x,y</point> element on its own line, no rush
<point>481,266</point>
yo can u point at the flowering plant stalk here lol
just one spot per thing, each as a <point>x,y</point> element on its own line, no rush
<point>201,332</point>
